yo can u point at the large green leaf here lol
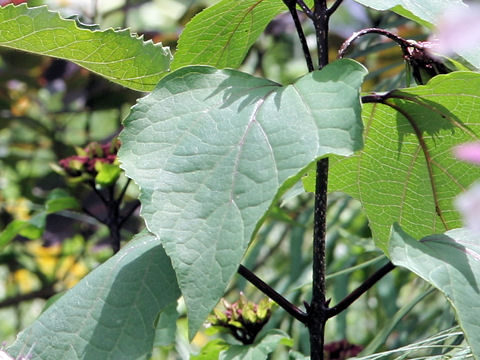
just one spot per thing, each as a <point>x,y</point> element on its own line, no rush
<point>451,263</point>
<point>222,34</point>
<point>116,55</point>
<point>111,313</point>
<point>210,150</point>
<point>427,12</point>
<point>406,172</point>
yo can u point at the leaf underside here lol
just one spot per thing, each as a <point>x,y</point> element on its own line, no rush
<point>427,12</point>
<point>110,313</point>
<point>212,149</point>
<point>116,55</point>
<point>406,172</point>
<point>451,263</point>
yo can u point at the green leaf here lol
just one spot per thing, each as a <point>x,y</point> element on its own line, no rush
<point>211,350</point>
<point>426,12</point>
<point>32,229</point>
<point>12,230</point>
<point>259,350</point>
<point>212,149</point>
<point>60,199</point>
<point>166,326</point>
<point>451,263</point>
<point>116,55</point>
<point>222,34</point>
<point>110,314</point>
<point>406,172</point>
<point>107,173</point>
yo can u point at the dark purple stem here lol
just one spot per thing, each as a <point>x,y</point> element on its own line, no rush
<point>272,294</point>
<point>334,7</point>
<point>355,294</point>
<point>298,26</point>
<point>404,44</point>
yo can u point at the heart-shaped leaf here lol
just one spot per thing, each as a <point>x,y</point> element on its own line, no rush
<point>212,149</point>
<point>406,172</point>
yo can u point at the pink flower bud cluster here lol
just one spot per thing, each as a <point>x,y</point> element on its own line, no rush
<point>94,152</point>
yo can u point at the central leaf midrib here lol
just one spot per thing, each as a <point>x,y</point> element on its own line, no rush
<point>427,156</point>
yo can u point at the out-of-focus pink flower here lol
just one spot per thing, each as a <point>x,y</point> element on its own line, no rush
<point>468,204</point>
<point>458,30</point>
<point>468,152</point>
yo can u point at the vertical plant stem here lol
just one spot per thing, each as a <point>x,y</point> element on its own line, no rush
<point>126,10</point>
<point>113,219</point>
<point>334,7</point>
<point>320,23</point>
<point>298,26</point>
<point>317,311</point>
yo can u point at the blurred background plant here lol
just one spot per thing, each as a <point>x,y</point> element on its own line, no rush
<point>59,212</point>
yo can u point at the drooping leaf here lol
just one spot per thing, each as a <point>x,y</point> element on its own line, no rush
<point>406,172</point>
<point>31,229</point>
<point>57,200</point>
<point>451,263</point>
<point>222,34</point>
<point>166,326</point>
<point>212,149</point>
<point>259,350</point>
<point>11,230</point>
<point>116,55</point>
<point>426,12</point>
<point>110,314</point>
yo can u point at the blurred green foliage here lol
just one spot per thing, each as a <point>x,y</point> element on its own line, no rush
<point>49,107</point>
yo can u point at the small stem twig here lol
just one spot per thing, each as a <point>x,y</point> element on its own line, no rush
<point>334,7</point>
<point>124,190</point>
<point>126,11</point>
<point>298,26</point>
<point>92,215</point>
<point>305,9</point>
<point>374,98</point>
<point>354,295</point>
<point>404,44</point>
<point>272,294</point>
<point>97,192</point>
<point>129,213</point>
<point>43,293</point>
